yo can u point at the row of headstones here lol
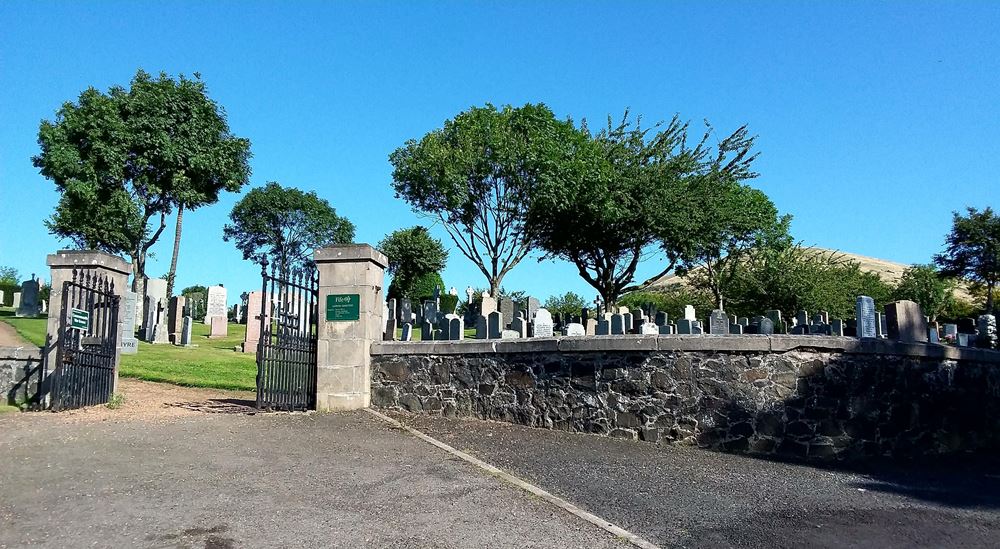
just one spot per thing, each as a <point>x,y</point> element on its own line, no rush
<point>26,302</point>
<point>214,304</point>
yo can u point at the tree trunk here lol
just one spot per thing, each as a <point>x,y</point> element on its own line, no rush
<point>989,297</point>
<point>172,274</point>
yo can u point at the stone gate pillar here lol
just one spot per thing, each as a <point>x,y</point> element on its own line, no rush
<point>62,264</point>
<point>350,319</point>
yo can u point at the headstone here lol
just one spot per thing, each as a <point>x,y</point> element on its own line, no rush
<point>574,329</point>
<point>881,331</point>
<point>405,312</point>
<point>638,319</point>
<point>149,319</point>
<point>456,327</point>
<point>950,332</point>
<point>743,321</point>
<point>867,317</point>
<point>685,326</point>
<point>482,327</point>
<point>668,329</point>
<point>494,324</point>
<point>986,328</point>
<point>220,328</point>
<point>962,340</point>
<point>802,318</point>
<point>933,336</point>
<point>175,318</point>
<point>905,322</point>
<point>488,306</point>
<point>238,313</point>
<point>649,328</point>
<point>662,319</point>
<point>617,324</point>
<point>129,344</point>
<point>736,329</point>
<point>775,316</point>
<point>543,323</point>
<point>766,326</point>
<point>45,306</point>
<point>390,328</point>
<point>718,322</point>
<point>689,313</point>
<point>836,327</point>
<point>508,334</point>
<point>627,322</point>
<point>29,304</point>
<point>426,330</point>
<point>591,326</point>
<point>186,332</point>
<point>255,300</point>
<point>520,324</point>
<point>161,332</point>
<point>407,332</point>
<point>429,312</point>
<point>603,327</point>
<point>215,304</point>
<point>17,300</point>
<point>966,326</point>
<point>532,305</point>
<point>507,308</point>
<point>3,297</point>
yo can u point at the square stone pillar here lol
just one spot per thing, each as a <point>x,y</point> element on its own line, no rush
<point>348,276</point>
<point>61,265</point>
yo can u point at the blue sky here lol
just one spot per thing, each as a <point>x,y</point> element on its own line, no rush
<point>875,120</point>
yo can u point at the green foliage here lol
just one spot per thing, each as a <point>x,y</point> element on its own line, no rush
<point>619,192</point>
<point>973,251</point>
<point>449,302</point>
<point>412,254</point>
<point>422,288</point>
<point>475,175</point>
<point>116,401</point>
<point>196,289</point>
<point>123,158</point>
<point>959,308</point>
<point>925,285</point>
<point>8,275</point>
<point>671,300</point>
<point>568,304</point>
<point>796,278</point>
<point>284,225</point>
<point>9,284</point>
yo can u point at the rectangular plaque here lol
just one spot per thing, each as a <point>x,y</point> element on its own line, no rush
<point>343,307</point>
<point>79,319</point>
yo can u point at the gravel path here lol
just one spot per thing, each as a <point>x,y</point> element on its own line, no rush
<point>10,338</point>
<point>686,497</point>
<point>177,467</point>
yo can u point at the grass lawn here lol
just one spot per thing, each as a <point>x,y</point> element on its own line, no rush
<point>213,363</point>
<point>32,329</point>
<point>470,333</point>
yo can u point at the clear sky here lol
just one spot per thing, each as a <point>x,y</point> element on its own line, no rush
<point>875,119</point>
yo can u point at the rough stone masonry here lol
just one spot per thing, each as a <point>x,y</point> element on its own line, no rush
<point>818,398</point>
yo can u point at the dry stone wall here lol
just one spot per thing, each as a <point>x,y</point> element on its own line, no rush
<point>20,372</point>
<point>792,396</point>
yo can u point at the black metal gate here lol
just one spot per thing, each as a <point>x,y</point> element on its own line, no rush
<point>286,352</point>
<point>88,342</point>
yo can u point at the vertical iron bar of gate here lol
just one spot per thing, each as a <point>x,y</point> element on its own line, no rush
<point>313,335</point>
<point>261,335</point>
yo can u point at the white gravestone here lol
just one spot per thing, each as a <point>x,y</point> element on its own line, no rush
<point>216,304</point>
<point>543,323</point>
<point>129,343</point>
<point>574,329</point>
<point>689,313</point>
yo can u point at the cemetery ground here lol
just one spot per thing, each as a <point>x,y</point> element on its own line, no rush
<point>188,467</point>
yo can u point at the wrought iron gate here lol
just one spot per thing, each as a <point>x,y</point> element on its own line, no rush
<point>286,352</point>
<point>88,342</point>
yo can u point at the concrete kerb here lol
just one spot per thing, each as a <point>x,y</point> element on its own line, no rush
<point>597,521</point>
<point>728,343</point>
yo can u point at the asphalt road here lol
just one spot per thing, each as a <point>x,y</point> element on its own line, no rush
<point>222,480</point>
<point>685,497</point>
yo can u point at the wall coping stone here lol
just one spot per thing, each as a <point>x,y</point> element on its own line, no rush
<point>725,343</point>
<point>351,253</point>
<point>21,353</point>
<point>88,259</point>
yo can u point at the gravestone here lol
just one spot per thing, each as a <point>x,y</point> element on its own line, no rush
<point>617,324</point>
<point>456,327</point>
<point>662,319</point>
<point>393,307</point>
<point>866,316</point>
<point>766,326</point>
<point>686,326</point>
<point>407,332</point>
<point>802,318</point>
<point>429,312</point>
<point>532,305</point>
<point>390,327</point>
<point>836,327</point>
<point>575,329</point>
<point>186,332</point>
<point>649,328</point>
<point>986,328</point>
<point>426,330</point>
<point>520,325</point>
<point>3,297</point>
<point>215,304</point>
<point>668,329</point>
<point>591,326</point>
<point>507,308</point>
<point>775,316</point>
<point>718,322</point>
<point>406,312</point>
<point>129,344</point>
<point>238,314</point>
<point>508,334</point>
<point>962,340</point>
<point>950,332</point>
<point>488,305</point>
<point>494,325</point>
<point>933,336</point>
<point>255,300</point>
<point>638,319</point>
<point>543,323</point>
<point>733,319</point>
<point>220,327</point>
<point>697,328</point>
<point>149,319</point>
<point>689,313</point>
<point>736,329</point>
<point>175,319</point>
<point>743,321</point>
<point>603,327</point>
<point>880,331</point>
<point>161,332</point>
<point>905,322</point>
<point>626,322</point>
<point>17,300</point>
<point>28,304</point>
<point>482,327</point>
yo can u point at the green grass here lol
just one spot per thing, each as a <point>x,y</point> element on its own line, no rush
<point>5,408</point>
<point>213,363</point>
<point>32,329</point>
<point>470,333</point>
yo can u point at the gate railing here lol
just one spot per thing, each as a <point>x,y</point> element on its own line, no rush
<point>286,351</point>
<point>88,342</point>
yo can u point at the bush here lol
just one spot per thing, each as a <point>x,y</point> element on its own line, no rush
<point>568,304</point>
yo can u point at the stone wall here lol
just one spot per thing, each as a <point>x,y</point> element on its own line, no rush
<point>819,398</point>
<point>20,372</point>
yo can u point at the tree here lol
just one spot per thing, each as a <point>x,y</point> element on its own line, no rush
<point>284,225</point>
<point>973,250</point>
<point>122,159</point>
<point>925,285</point>
<point>9,283</point>
<point>568,305</point>
<point>624,190</point>
<point>474,176</point>
<point>413,253</point>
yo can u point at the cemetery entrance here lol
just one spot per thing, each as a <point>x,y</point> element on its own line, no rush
<point>88,342</point>
<point>286,352</point>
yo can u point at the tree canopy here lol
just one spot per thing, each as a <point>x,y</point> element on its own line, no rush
<point>412,253</point>
<point>924,285</point>
<point>123,159</point>
<point>629,189</point>
<point>283,225</point>
<point>972,250</point>
<point>568,305</point>
<point>475,175</point>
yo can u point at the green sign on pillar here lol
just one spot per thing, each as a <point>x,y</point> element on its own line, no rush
<point>79,319</point>
<point>343,307</point>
